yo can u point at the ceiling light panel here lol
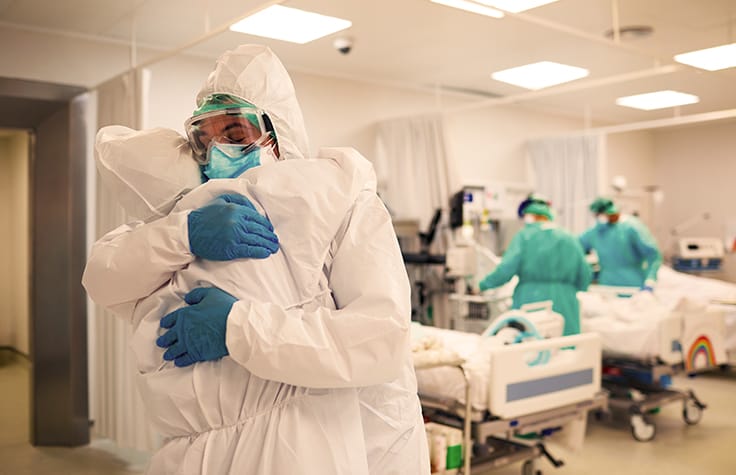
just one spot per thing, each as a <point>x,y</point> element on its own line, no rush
<point>540,75</point>
<point>470,6</point>
<point>290,24</point>
<point>710,59</point>
<point>657,100</point>
<point>515,6</point>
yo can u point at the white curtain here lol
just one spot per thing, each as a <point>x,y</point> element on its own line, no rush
<point>415,176</point>
<point>116,406</point>
<point>566,172</point>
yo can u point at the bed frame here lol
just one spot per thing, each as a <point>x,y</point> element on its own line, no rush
<point>523,399</point>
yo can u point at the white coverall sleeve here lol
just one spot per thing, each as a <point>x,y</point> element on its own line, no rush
<point>132,261</point>
<point>364,342</point>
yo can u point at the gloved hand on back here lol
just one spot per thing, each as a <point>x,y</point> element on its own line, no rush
<point>197,332</point>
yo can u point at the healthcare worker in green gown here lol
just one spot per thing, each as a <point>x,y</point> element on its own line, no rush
<point>549,261</point>
<point>628,255</point>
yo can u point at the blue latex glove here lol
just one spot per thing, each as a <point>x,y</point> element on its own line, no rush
<point>230,228</point>
<point>646,288</point>
<point>197,332</point>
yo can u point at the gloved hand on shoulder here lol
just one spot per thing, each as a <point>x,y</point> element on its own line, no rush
<point>230,228</point>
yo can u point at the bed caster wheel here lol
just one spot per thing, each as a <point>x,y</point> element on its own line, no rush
<point>528,468</point>
<point>641,429</point>
<point>692,412</point>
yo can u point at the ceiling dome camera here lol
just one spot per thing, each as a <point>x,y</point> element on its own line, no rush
<point>343,44</point>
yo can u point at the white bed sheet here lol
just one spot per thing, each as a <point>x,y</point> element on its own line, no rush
<point>673,286</point>
<point>678,313</point>
<point>640,326</point>
<point>449,382</point>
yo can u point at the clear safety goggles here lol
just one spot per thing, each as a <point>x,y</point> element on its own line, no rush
<point>239,125</point>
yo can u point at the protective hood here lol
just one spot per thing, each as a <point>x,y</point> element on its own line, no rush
<point>254,73</point>
<point>148,171</point>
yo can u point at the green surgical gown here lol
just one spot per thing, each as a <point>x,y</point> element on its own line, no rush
<point>628,255</point>
<point>551,266</point>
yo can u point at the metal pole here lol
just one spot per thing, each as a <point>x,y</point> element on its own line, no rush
<point>468,449</point>
<point>616,22</point>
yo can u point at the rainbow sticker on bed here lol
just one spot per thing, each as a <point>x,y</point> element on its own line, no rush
<point>700,355</point>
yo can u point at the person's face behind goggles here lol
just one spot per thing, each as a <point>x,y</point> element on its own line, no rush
<point>248,127</point>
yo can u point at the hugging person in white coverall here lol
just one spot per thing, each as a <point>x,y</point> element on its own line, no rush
<point>295,362</point>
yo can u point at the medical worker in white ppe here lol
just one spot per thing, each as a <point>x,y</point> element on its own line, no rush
<point>249,386</point>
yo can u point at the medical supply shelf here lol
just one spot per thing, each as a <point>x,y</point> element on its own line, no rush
<point>641,387</point>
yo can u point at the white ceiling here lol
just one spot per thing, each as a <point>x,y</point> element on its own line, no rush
<point>420,44</point>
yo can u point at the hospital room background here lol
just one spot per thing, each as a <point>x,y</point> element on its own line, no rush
<point>409,85</point>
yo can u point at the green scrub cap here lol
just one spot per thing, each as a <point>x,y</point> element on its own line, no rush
<point>603,206</point>
<point>540,209</point>
<point>221,101</point>
<point>535,204</point>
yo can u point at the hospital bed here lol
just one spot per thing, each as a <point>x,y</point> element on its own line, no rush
<point>496,391</point>
<point>717,295</point>
<point>689,320</point>
<point>645,342</point>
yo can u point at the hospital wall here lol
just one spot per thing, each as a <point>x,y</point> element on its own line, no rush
<point>40,55</point>
<point>696,167</point>
<point>489,145</point>
<point>14,241</point>
<point>484,145</point>
<point>631,155</point>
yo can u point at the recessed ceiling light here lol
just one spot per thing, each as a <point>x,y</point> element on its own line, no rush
<point>470,6</point>
<point>657,100</point>
<point>711,59</point>
<point>540,75</point>
<point>289,24</point>
<point>515,6</point>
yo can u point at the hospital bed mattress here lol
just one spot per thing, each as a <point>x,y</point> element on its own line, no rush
<point>509,380</point>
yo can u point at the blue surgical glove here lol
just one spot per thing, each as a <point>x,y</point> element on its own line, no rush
<point>230,228</point>
<point>648,286</point>
<point>197,332</point>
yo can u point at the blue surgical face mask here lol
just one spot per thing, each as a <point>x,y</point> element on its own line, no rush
<point>232,160</point>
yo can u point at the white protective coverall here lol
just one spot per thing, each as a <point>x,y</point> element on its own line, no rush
<point>319,377</point>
